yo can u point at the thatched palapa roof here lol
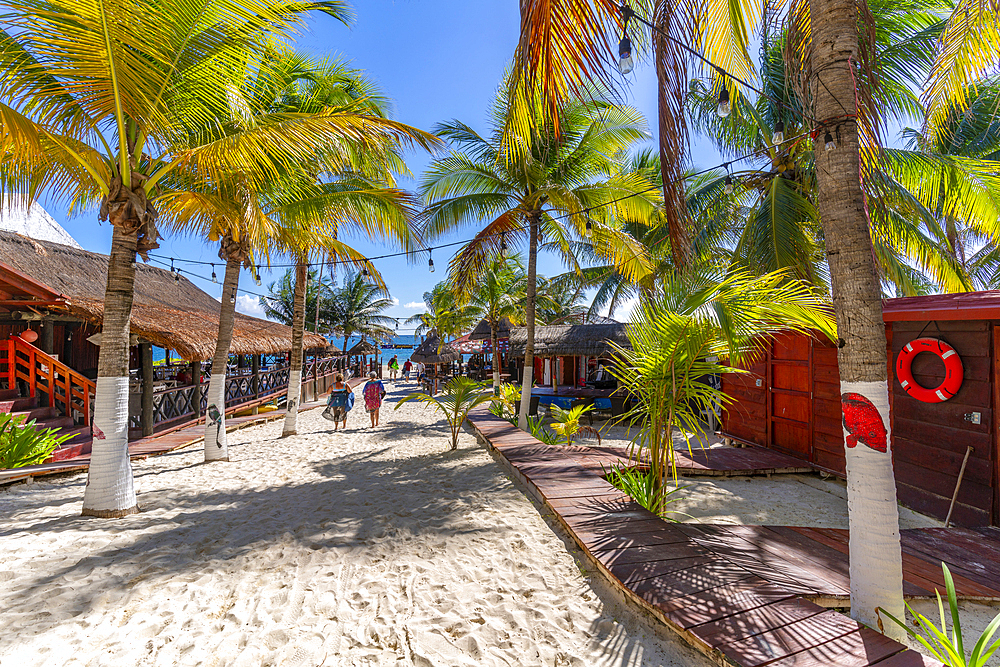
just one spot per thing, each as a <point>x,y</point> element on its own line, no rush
<point>362,348</point>
<point>427,353</point>
<point>170,313</point>
<point>566,340</point>
<point>482,330</point>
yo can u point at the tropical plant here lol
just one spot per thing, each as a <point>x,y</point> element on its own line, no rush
<point>561,301</point>
<point>506,401</point>
<point>673,338</point>
<point>949,649</point>
<point>112,104</point>
<point>641,486</point>
<point>567,423</point>
<point>499,294</point>
<point>550,177</point>
<point>279,304</point>
<point>356,310</point>
<point>459,397</point>
<point>24,444</point>
<point>536,427</point>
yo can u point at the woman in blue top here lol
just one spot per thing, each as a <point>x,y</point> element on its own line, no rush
<point>340,401</point>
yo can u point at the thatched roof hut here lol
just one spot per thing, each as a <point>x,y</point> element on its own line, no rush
<point>362,348</point>
<point>170,313</point>
<point>427,353</point>
<point>482,330</point>
<point>568,340</point>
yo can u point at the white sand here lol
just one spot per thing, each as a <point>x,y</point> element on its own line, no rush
<point>358,548</point>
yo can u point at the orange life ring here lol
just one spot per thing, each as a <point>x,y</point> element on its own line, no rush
<point>954,372</point>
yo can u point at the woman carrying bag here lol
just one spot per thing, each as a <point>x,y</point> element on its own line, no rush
<point>340,402</point>
<point>373,392</point>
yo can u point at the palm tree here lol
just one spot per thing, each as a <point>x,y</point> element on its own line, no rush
<point>106,104</point>
<point>548,178</point>
<point>356,310</point>
<point>498,294</point>
<point>253,221</point>
<point>445,316</point>
<point>698,317</point>
<point>279,305</point>
<point>561,301</point>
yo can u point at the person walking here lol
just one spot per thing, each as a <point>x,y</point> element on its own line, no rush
<point>407,365</point>
<point>340,402</point>
<point>373,393</point>
<point>393,367</point>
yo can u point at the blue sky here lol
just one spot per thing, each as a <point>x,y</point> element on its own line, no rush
<point>437,60</point>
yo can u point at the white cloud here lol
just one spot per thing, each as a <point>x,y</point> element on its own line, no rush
<point>415,305</point>
<point>395,301</point>
<point>624,311</point>
<point>249,305</point>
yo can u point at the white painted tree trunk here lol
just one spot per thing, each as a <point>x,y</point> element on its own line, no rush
<point>216,443</point>
<point>876,559</point>
<point>529,320</point>
<point>109,491</point>
<point>293,401</point>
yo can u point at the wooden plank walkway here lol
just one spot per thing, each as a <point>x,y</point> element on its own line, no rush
<point>717,462</point>
<point>154,445</point>
<point>739,594</point>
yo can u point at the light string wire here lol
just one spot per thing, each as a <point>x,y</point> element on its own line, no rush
<point>628,12</point>
<point>167,260</point>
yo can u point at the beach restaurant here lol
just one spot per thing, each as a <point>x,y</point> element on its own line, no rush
<point>55,293</point>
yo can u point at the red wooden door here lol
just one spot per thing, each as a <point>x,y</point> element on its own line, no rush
<point>790,396</point>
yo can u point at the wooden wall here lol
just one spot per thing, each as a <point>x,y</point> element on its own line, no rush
<point>930,439</point>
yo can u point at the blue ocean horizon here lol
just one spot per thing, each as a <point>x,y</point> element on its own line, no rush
<point>159,354</point>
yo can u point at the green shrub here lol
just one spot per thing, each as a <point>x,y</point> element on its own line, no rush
<point>460,396</point>
<point>950,649</point>
<point>640,485</point>
<point>24,444</point>
<point>505,404</point>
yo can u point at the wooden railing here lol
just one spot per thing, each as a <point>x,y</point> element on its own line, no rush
<point>182,404</point>
<point>56,384</point>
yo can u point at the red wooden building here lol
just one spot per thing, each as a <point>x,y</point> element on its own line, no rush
<point>791,402</point>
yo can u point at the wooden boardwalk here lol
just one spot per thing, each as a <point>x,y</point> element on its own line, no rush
<point>717,462</point>
<point>743,595</point>
<point>154,445</point>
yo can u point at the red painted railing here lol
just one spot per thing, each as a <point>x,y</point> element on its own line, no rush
<point>66,390</point>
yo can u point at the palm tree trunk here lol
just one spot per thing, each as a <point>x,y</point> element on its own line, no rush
<point>110,491</point>
<point>216,447</point>
<point>496,359</point>
<point>295,367</point>
<point>529,314</point>
<point>876,562</point>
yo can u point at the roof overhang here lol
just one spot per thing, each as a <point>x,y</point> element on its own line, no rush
<point>20,291</point>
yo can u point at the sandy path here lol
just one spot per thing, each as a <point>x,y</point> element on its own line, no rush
<point>358,548</point>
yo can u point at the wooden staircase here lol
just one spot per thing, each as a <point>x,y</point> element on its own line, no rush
<point>56,396</point>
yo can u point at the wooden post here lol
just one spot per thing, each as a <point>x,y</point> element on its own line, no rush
<point>255,380</point>
<point>196,393</point>
<point>316,372</point>
<point>48,336</point>
<point>146,364</point>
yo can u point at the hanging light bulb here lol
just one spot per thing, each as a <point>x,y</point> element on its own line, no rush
<point>625,62</point>
<point>173,271</point>
<point>724,106</point>
<point>589,229</point>
<point>779,133</point>
<point>364,271</point>
<point>232,296</point>
<point>829,142</point>
<point>503,243</point>
<point>430,261</point>
<point>215,278</point>
<point>397,325</point>
<point>256,276</point>
<point>729,184</point>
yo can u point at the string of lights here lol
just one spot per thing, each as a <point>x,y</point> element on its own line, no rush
<point>626,63</point>
<point>729,187</point>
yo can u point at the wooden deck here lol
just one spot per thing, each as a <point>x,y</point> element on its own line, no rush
<point>717,462</point>
<point>154,445</point>
<point>743,595</point>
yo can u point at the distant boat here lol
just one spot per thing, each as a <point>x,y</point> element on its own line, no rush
<point>391,346</point>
